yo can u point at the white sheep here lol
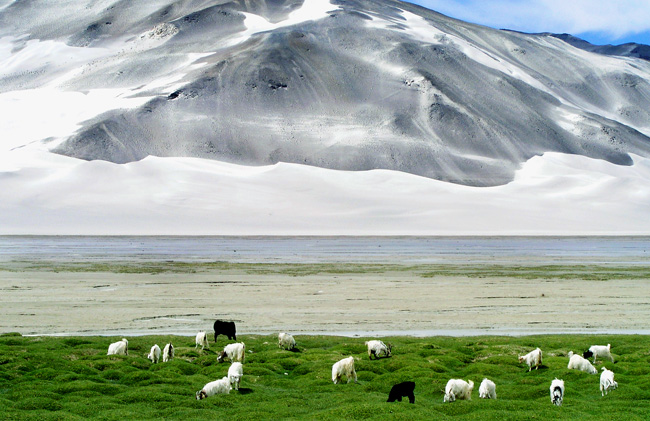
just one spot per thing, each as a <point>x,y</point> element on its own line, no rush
<point>236,352</point>
<point>607,382</point>
<point>344,367</point>
<point>154,354</point>
<point>201,339</point>
<point>119,348</point>
<point>487,389</point>
<point>458,389</point>
<point>286,341</point>
<point>168,352</point>
<point>534,357</point>
<point>378,349</point>
<point>235,373</point>
<point>557,391</point>
<point>601,351</point>
<point>577,362</point>
<point>212,388</point>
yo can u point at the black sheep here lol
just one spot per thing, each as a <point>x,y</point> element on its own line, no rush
<point>400,390</point>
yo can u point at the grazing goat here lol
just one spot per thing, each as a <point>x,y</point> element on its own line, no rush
<point>154,354</point>
<point>487,390</point>
<point>212,388</point>
<point>236,352</point>
<point>119,348</point>
<point>235,373</point>
<point>201,339</point>
<point>534,357</point>
<point>577,362</point>
<point>222,327</point>
<point>599,351</point>
<point>378,349</point>
<point>458,389</point>
<point>286,341</point>
<point>400,390</point>
<point>557,391</point>
<point>168,352</point>
<point>607,382</point>
<point>344,367</point>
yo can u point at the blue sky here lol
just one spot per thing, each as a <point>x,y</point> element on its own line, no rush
<point>597,21</point>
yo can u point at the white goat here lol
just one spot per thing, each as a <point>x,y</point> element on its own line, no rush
<point>235,373</point>
<point>557,391</point>
<point>154,354</point>
<point>534,357</point>
<point>212,388</point>
<point>601,351</point>
<point>487,389</point>
<point>607,382</point>
<point>236,352</point>
<point>168,352</point>
<point>344,367</point>
<point>286,341</point>
<point>458,389</point>
<point>577,362</point>
<point>378,349</point>
<point>201,339</point>
<point>119,348</point>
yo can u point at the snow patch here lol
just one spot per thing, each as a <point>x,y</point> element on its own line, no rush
<point>255,24</point>
<point>34,114</point>
<point>553,194</point>
<point>36,54</point>
<point>50,111</point>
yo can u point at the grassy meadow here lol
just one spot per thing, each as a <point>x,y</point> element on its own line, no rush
<point>73,378</point>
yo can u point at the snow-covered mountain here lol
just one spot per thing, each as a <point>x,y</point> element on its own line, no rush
<point>314,117</point>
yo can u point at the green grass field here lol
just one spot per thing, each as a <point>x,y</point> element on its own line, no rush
<point>73,378</point>
<point>594,272</point>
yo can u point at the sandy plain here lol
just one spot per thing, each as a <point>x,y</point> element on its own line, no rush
<point>345,299</point>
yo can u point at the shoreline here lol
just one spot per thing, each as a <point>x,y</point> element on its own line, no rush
<point>364,334</point>
<point>325,299</point>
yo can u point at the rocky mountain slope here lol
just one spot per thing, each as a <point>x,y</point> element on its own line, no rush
<point>347,85</point>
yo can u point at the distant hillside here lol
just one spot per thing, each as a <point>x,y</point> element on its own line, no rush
<point>630,49</point>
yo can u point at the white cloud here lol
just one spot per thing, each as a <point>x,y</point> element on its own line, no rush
<point>615,18</point>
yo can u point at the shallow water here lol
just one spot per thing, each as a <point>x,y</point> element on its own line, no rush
<point>540,250</point>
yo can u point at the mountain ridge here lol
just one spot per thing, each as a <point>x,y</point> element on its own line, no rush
<point>628,49</point>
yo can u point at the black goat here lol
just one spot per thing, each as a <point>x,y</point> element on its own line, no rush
<point>222,327</point>
<point>400,390</point>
